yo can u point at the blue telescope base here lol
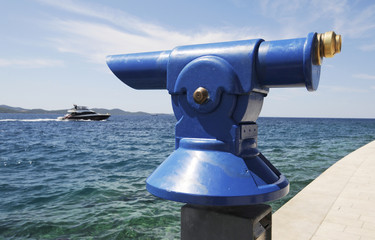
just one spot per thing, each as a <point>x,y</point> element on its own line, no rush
<point>202,172</point>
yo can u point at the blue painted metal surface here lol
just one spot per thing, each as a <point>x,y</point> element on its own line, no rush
<point>203,171</point>
<point>288,63</point>
<point>216,161</point>
<point>141,70</point>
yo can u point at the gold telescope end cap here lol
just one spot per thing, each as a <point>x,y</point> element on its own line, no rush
<point>327,45</point>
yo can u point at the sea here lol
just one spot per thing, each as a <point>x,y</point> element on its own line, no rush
<point>86,179</point>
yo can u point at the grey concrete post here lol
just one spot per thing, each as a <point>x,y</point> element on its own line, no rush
<point>252,222</point>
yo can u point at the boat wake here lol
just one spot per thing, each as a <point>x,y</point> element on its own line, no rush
<point>59,119</point>
<point>31,120</point>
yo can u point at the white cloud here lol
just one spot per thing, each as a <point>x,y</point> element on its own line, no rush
<point>30,63</point>
<point>95,41</point>
<point>125,22</point>
<point>110,15</point>
<point>298,16</point>
<point>122,33</point>
<point>364,76</point>
<point>357,24</point>
<point>348,18</point>
<point>102,31</point>
<point>281,9</point>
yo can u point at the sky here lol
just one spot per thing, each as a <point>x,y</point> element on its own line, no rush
<point>52,53</point>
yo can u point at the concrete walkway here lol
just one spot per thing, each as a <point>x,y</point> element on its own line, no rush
<point>339,204</point>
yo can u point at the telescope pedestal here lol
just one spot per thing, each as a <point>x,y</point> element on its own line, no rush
<point>251,222</point>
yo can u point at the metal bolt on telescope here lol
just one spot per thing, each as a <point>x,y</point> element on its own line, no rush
<point>217,93</point>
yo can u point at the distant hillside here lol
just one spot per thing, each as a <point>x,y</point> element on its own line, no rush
<point>116,111</point>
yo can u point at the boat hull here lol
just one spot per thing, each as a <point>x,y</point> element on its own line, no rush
<point>97,117</point>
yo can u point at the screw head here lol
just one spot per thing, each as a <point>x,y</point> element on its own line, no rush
<point>200,95</point>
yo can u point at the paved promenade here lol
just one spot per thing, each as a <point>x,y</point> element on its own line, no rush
<point>339,204</point>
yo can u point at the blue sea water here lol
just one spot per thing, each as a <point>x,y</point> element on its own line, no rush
<point>86,179</point>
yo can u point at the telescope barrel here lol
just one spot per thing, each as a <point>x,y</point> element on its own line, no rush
<point>288,63</point>
<point>278,64</point>
<point>141,70</point>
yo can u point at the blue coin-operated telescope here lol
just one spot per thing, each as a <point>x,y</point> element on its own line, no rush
<point>217,93</point>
